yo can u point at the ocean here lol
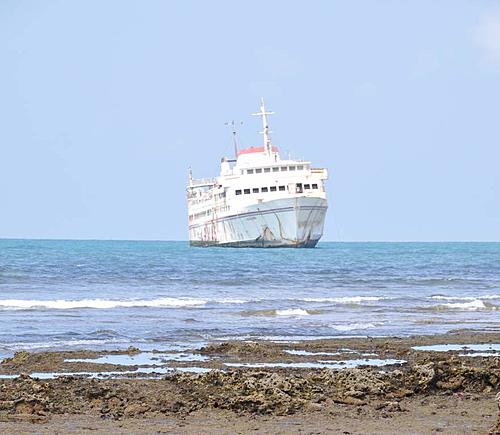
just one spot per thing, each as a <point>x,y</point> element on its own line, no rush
<point>160,295</point>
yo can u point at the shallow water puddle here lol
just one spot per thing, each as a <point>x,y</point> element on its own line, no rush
<point>151,364</point>
<point>141,359</point>
<point>306,353</point>
<point>474,354</point>
<point>489,349</point>
<point>347,364</point>
<point>113,375</point>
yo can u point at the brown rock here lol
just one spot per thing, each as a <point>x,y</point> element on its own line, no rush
<point>24,408</point>
<point>425,375</point>
<point>348,400</point>
<point>392,407</point>
<point>313,407</point>
<point>136,409</point>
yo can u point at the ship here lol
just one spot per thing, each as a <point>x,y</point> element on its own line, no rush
<point>259,200</point>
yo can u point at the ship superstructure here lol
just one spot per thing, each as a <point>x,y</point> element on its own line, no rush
<point>258,200</point>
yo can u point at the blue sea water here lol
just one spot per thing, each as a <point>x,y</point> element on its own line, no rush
<point>112,294</point>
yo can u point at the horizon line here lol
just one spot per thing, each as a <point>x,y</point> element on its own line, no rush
<point>64,239</point>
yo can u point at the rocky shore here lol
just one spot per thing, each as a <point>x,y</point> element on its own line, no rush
<point>351,385</point>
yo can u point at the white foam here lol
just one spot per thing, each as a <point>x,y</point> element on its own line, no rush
<point>476,304</point>
<point>463,298</point>
<point>63,304</point>
<point>292,312</point>
<point>233,301</point>
<point>64,343</point>
<point>353,326</point>
<point>348,299</point>
<point>450,298</point>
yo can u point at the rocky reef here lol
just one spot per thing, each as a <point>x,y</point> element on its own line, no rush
<point>247,391</point>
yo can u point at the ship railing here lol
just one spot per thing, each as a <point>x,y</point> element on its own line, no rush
<point>203,182</point>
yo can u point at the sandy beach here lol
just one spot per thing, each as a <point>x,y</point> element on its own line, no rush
<point>388,385</point>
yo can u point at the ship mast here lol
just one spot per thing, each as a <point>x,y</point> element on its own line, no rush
<point>268,148</point>
<point>235,140</point>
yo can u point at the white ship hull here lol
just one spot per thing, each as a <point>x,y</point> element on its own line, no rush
<point>295,222</point>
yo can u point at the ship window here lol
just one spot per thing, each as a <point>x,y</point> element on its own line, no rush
<point>300,167</point>
<point>315,186</point>
<point>273,188</point>
<point>249,171</point>
<point>263,189</point>
<point>291,168</point>
<point>258,171</point>
<point>307,186</point>
<point>276,169</point>
<point>246,191</point>
<point>282,188</point>
<point>298,188</point>
<point>255,190</point>
<point>238,192</point>
<point>284,168</point>
<point>267,169</point>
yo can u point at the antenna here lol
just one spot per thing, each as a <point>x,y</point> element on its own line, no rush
<point>235,141</point>
<point>265,127</point>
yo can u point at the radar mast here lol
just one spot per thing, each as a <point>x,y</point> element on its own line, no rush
<point>235,140</point>
<point>268,148</point>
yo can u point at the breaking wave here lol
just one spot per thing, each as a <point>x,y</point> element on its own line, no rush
<point>353,326</point>
<point>463,298</point>
<point>348,299</point>
<point>290,312</point>
<point>233,301</point>
<point>62,304</point>
<point>473,305</point>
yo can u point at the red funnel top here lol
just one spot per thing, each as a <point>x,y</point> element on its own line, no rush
<point>256,150</point>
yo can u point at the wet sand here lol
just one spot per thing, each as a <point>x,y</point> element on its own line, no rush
<point>261,387</point>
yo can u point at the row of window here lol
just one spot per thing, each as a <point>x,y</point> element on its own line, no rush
<point>206,197</point>
<point>275,169</point>
<point>298,188</point>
